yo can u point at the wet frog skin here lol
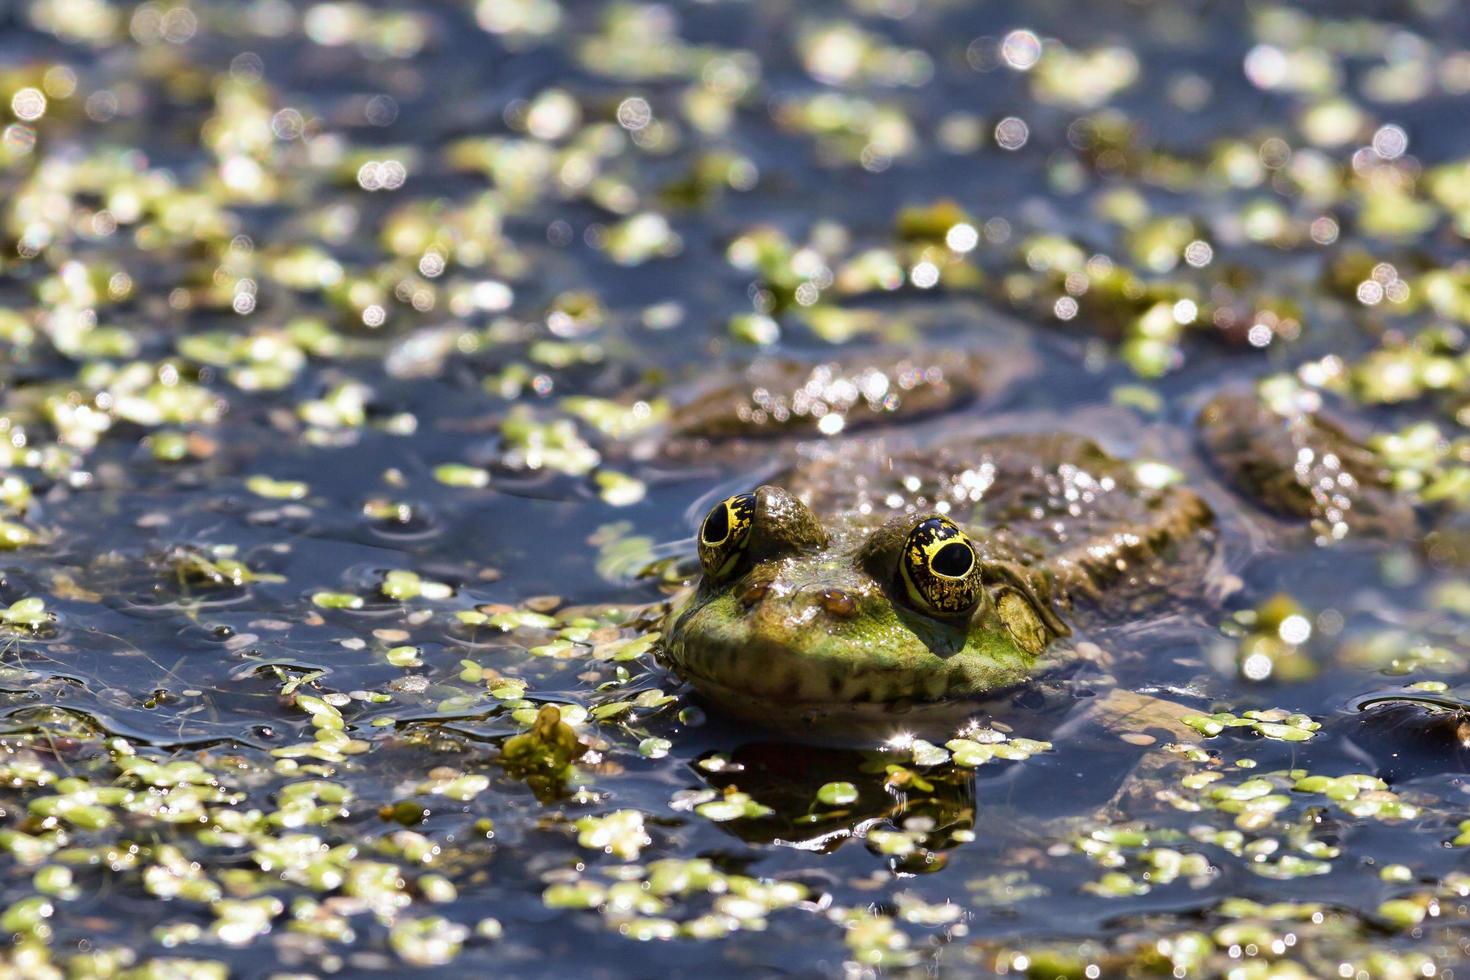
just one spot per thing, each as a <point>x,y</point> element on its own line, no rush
<point>776,397</point>
<point>872,583</point>
<point>1302,465</point>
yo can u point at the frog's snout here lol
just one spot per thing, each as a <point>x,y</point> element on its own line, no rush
<point>802,606</point>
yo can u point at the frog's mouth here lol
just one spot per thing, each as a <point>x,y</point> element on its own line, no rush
<point>839,721</point>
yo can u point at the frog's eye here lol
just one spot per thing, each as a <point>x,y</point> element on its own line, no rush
<point>940,568</point>
<point>725,533</point>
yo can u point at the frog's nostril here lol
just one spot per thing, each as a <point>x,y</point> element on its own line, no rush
<point>755,593</point>
<point>838,603</point>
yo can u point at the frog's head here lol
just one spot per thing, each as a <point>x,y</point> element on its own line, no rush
<point>791,620</point>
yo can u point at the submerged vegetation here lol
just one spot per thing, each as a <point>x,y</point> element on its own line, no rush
<point>363,368</point>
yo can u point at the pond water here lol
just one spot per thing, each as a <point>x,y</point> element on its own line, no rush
<point>340,348</point>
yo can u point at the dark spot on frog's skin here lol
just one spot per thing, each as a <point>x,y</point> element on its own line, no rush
<point>838,603</point>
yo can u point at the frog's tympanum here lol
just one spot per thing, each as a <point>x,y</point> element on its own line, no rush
<point>873,582</point>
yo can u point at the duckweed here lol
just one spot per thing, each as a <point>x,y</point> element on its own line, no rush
<point>333,338</point>
<point>1273,723</point>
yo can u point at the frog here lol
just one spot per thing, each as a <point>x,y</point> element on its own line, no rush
<point>873,584</point>
<point>871,574</point>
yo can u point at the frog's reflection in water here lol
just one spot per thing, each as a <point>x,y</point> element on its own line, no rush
<point>914,801</point>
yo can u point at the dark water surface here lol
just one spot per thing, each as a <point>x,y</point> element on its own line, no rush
<point>297,298</point>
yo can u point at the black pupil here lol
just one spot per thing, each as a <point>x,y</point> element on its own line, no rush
<point>717,525</point>
<point>953,560</point>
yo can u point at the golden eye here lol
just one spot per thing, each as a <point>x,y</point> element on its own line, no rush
<point>940,568</point>
<point>724,533</point>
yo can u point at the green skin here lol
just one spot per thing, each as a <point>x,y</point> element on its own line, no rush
<point>813,625</point>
